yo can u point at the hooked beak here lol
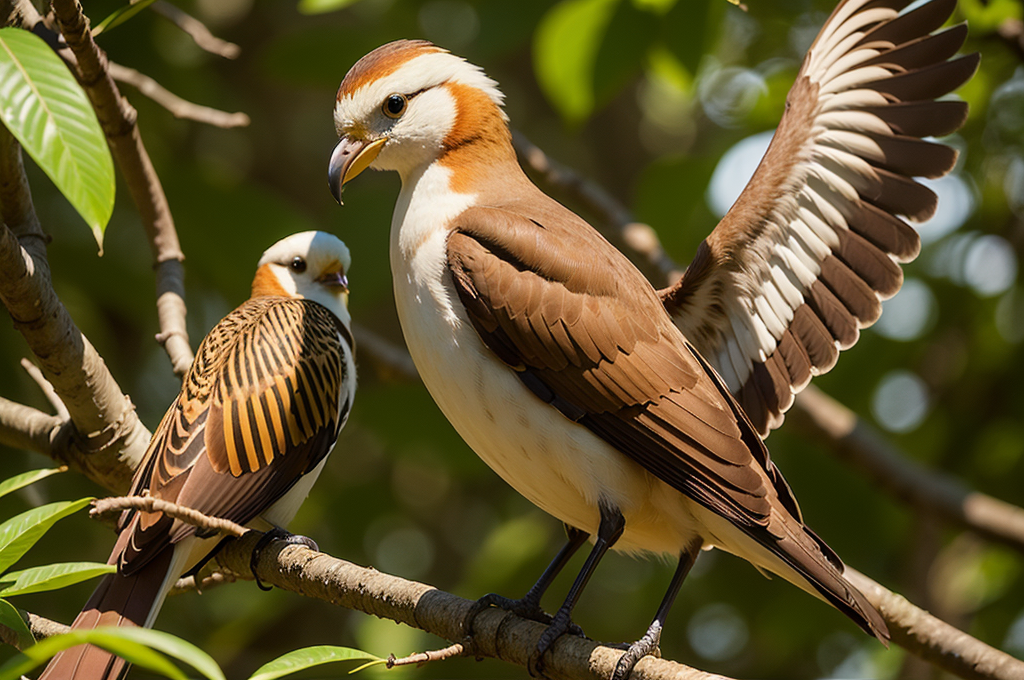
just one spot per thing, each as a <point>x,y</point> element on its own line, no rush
<point>350,158</point>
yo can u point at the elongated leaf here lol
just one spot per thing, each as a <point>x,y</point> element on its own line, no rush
<point>174,647</point>
<point>43,106</point>
<point>111,639</point>
<point>308,657</point>
<point>20,533</point>
<point>322,6</point>
<point>565,51</point>
<point>11,617</point>
<point>121,15</point>
<point>25,478</point>
<point>51,577</point>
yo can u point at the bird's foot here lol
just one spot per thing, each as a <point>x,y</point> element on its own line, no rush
<point>527,607</point>
<point>276,534</point>
<point>561,623</point>
<point>646,645</point>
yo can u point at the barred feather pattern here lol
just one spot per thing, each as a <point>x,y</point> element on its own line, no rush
<point>806,255</point>
<point>263,404</point>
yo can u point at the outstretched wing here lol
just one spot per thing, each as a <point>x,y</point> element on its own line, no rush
<point>804,258</point>
<point>262,406</point>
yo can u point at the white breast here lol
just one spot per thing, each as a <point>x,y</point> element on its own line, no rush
<point>558,465</point>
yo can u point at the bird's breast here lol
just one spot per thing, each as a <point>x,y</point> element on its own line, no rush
<point>558,465</point>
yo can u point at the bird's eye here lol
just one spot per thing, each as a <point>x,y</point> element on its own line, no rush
<point>298,265</point>
<point>394,105</point>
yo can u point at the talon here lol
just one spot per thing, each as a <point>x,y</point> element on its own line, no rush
<point>276,534</point>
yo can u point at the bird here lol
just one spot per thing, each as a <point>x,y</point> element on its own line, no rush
<point>257,415</point>
<point>636,416</point>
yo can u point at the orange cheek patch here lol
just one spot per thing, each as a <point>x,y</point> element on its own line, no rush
<point>267,283</point>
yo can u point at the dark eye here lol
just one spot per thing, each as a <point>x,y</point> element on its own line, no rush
<point>298,265</point>
<point>394,105</point>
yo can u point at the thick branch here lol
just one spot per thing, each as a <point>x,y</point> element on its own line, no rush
<point>499,635</point>
<point>179,108</point>
<point>109,436</point>
<point>862,446</point>
<point>117,118</point>
<point>197,30</point>
<point>936,641</point>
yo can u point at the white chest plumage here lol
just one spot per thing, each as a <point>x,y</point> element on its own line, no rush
<point>560,466</point>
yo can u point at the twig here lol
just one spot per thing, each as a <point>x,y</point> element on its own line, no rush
<point>188,584</point>
<point>105,506</point>
<point>934,640</point>
<point>117,118</point>
<point>639,237</point>
<point>110,436</point>
<point>178,107</point>
<point>421,658</point>
<point>40,628</point>
<point>23,427</point>
<point>862,446</point>
<point>47,389</point>
<point>199,32</point>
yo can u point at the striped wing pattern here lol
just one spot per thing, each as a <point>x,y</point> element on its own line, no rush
<point>804,258</point>
<point>262,405</point>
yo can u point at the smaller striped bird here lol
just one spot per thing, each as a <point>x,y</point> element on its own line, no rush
<point>258,413</point>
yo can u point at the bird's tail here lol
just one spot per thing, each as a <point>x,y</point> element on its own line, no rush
<point>821,568</point>
<point>118,601</point>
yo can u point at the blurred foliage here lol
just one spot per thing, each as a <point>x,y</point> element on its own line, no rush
<point>654,96</point>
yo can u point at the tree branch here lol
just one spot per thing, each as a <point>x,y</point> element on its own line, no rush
<point>197,30</point>
<point>108,434</point>
<point>47,389</point>
<point>179,108</point>
<point>865,448</point>
<point>23,427</point>
<point>117,118</point>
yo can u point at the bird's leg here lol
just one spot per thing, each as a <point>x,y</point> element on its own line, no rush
<point>648,644</point>
<point>276,533</point>
<point>608,532</point>
<point>528,606</point>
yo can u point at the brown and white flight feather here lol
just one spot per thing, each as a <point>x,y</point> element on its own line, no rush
<point>805,257</point>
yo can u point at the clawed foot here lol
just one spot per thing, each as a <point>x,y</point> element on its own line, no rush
<point>560,624</point>
<point>527,607</point>
<point>646,645</point>
<point>276,534</point>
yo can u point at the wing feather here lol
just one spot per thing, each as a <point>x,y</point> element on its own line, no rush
<point>804,258</point>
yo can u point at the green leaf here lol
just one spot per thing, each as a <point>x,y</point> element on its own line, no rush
<point>43,106</point>
<point>20,533</point>
<point>565,50</point>
<point>25,478</point>
<point>11,617</point>
<point>116,640</point>
<point>119,16</point>
<point>175,647</point>
<point>322,6</point>
<point>309,657</point>
<point>51,577</point>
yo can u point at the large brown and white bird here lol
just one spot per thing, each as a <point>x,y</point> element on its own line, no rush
<point>258,413</point>
<point>629,414</point>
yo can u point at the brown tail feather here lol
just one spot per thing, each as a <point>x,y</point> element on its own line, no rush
<point>118,601</point>
<point>817,563</point>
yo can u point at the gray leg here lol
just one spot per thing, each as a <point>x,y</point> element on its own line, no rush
<point>609,531</point>
<point>648,644</point>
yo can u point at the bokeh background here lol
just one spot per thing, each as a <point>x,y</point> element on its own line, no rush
<point>666,104</point>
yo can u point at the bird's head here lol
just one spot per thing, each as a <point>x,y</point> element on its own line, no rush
<point>311,265</point>
<point>404,105</point>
